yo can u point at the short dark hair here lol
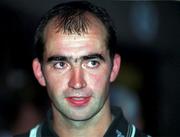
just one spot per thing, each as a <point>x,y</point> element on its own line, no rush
<point>71,18</point>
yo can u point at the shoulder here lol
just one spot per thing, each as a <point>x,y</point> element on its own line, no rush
<point>121,127</point>
<point>140,134</point>
<point>22,135</point>
<point>31,133</point>
<point>135,132</point>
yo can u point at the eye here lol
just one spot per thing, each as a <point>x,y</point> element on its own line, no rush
<point>60,65</point>
<point>92,64</point>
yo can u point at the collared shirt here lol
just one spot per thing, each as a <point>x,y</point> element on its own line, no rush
<point>118,128</point>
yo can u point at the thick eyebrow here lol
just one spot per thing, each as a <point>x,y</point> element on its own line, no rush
<point>57,58</point>
<point>86,57</point>
<point>94,56</point>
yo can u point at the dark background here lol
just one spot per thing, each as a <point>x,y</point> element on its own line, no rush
<point>148,41</point>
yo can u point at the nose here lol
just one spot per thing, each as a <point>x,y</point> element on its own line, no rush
<point>77,80</point>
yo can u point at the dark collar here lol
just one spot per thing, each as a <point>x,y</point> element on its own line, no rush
<point>118,126</point>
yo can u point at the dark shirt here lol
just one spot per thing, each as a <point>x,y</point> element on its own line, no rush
<point>118,128</point>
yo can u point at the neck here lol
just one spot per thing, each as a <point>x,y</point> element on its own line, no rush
<point>95,126</point>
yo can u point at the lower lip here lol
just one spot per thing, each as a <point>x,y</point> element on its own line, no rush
<point>78,102</point>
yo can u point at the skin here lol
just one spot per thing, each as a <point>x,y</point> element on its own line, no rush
<point>78,66</point>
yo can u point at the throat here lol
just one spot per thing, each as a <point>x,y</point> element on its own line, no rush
<point>83,128</point>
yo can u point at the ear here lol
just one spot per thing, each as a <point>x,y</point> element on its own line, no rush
<point>115,68</point>
<point>36,65</point>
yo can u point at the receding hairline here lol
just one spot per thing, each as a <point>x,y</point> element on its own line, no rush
<point>92,21</point>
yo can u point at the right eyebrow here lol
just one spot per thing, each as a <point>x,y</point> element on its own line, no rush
<point>57,58</point>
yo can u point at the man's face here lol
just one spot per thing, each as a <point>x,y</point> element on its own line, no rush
<point>77,70</point>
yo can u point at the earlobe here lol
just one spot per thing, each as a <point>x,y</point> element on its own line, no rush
<point>36,65</point>
<point>115,67</point>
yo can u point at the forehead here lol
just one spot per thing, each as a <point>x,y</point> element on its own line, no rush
<point>95,27</point>
<point>93,41</point>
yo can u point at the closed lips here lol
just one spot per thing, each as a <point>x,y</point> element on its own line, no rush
<point>78,101</point>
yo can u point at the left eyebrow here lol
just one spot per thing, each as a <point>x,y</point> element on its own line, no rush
<point>93,56</point>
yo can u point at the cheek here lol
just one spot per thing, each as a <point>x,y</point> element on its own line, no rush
<point>55,81</point>
<point>99,80</point>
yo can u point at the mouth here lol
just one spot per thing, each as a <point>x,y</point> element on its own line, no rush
<point>78,101</point>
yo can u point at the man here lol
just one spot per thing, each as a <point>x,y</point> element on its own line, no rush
<point>76,61</point>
